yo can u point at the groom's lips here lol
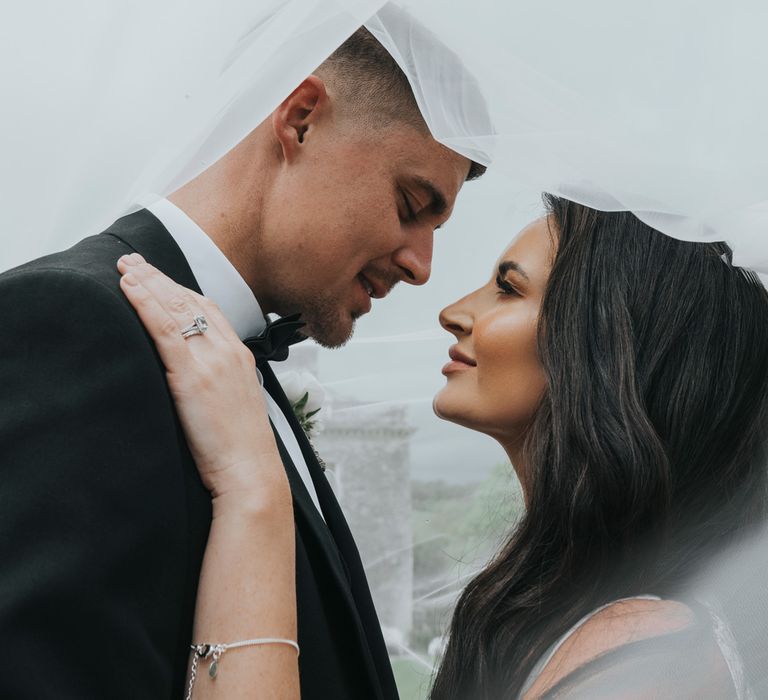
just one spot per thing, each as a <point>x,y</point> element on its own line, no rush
<point>377,290</point>
<point>372,289</point>
<point>366,297</point>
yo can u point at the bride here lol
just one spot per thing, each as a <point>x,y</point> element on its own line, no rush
<point>624,372</point>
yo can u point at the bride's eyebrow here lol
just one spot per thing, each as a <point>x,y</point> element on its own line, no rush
<point>511,265</point>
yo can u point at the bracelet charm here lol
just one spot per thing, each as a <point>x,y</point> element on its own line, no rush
<point>214,652</point>
<point>213,669</point>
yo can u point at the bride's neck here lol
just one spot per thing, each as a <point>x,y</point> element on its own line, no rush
<point>514,452</point>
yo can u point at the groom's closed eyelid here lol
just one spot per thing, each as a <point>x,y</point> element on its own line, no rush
<point>438,203</point>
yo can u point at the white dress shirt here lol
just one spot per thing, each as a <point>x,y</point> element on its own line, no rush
<point>222,283</point>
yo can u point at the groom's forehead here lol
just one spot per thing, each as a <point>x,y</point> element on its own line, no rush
<point>410,158</point>
<point>418,154</point>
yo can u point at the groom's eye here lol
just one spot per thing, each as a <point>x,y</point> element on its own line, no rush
<point>410,213</point>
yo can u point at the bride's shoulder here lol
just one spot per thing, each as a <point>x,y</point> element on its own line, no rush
<point>624,622</point>
<point>614,627</point>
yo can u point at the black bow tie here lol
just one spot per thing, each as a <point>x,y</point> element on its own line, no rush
<point>276,338</point>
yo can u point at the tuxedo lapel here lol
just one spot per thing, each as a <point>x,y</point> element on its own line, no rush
<point>306,508</point>
<point>344,551</point>
<point>320,528</point>
<point>310,457</point>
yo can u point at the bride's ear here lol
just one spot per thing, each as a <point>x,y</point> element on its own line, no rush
<point>297,115</point>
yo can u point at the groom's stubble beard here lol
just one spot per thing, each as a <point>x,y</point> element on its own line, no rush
<point>329,323</point>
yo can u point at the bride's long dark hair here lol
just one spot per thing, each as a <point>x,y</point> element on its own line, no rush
<point>647,453</point>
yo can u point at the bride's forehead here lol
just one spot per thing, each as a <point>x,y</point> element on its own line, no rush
<point>533,244</point>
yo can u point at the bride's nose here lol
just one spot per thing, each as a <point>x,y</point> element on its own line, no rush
<point>457,318</point>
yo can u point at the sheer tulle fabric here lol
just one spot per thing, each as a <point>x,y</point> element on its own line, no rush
<point>104,103</point>
<point>654,107</point>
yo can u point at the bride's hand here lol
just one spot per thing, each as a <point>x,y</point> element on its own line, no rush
<point>212,378</point>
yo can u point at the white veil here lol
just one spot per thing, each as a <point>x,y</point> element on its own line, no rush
<point>106,102</point>
<point>656,107</point>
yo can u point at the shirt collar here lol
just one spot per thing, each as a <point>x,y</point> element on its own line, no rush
<point>216,275</point>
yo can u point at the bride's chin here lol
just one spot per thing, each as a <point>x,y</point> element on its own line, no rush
<point>443,409</point>
<point>458,410</point>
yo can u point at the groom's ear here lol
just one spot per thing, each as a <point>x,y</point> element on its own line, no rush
<point>297,114</point>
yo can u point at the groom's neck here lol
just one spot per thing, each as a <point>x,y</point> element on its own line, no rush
<point>229,215</point>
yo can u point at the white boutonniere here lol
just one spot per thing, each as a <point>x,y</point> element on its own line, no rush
<point>307,398</point>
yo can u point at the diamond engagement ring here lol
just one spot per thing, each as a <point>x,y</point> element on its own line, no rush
<point>198,327</point>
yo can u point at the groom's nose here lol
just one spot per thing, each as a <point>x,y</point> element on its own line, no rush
<point>414,258</point>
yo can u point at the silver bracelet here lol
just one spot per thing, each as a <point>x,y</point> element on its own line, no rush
<point>214,652</point>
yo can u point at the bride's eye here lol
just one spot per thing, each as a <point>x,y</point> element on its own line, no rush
<point>505,288</point>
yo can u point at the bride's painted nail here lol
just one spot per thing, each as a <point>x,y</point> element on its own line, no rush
<point>127,260</point>
<point>130,280</point>
<point>137,258</point>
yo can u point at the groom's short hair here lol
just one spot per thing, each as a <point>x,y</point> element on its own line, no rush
<point>373,87</point>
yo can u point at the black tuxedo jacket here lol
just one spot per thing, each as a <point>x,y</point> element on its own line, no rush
<point>103,519</point>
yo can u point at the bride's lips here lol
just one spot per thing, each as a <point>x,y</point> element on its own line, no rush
<point>459,361</point>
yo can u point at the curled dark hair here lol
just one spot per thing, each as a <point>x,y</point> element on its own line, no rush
<point>647,453</point>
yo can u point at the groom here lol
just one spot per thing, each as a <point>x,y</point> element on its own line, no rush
<point>321,209</point>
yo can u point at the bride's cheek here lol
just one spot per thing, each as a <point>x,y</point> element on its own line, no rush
<point>510,379</point>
